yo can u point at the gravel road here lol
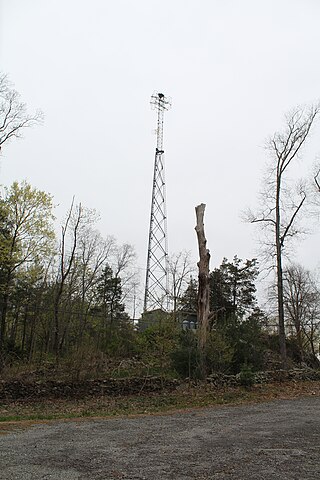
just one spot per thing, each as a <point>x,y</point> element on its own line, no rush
<point>274,440</point>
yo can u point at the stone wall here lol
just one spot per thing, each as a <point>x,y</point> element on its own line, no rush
<point>44,389</point>
<point>294,375</point>
<point>17,389</point>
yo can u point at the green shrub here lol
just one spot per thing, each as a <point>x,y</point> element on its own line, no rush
<point>185,356</point>
<point>246,376</point>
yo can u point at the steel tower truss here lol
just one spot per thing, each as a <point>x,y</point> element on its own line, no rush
<point>156,287</point>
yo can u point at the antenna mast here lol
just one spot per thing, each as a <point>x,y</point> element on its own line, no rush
<point>156,288</point>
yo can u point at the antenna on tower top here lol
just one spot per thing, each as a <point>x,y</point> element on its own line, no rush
<point>156,288</point>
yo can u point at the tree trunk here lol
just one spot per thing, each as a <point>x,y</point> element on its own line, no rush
<point>24,331</point>
<point>203,288</point>
<point>300,342</point>
<point>32,334</point>
<point>56,327</point>
<point>282,333</point>
<point>3,322</point>
<point>14,327</point>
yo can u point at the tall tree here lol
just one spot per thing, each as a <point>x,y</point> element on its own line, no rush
<point>188,300</point>
<point>28,236</point>
<point>71,226</point>
<point>233,288</point>
<point>109,309</point>
<point>235,319</point>
<point>109,295</point>
<point>280,206</point>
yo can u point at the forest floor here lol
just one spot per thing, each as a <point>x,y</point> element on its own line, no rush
<point>184,397</point>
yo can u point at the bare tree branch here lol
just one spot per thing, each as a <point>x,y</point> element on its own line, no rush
<point>290,223</point>
<point>316,179</point>
<point>13,113</point>
<point>267,220</point>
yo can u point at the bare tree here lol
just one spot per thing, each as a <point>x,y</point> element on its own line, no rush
<point>13,113</point>
<point>301,301</point>
<point>92,253</point>
<point>72,223</point>
<point>124,268</point>
<point>280,206</point>
<point>180,270</point>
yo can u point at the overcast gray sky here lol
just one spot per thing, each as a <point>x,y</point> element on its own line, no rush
<point>232,68</point>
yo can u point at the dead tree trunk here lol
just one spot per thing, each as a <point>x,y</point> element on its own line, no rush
<point>203,288</point>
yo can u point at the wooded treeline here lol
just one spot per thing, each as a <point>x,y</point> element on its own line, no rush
<point>55,293</point>
<point>64,295</point>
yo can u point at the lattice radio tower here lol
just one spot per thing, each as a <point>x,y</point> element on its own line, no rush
<point>156,289</point>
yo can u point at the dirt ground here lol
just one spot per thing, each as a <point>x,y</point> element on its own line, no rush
<point>272,440</point>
